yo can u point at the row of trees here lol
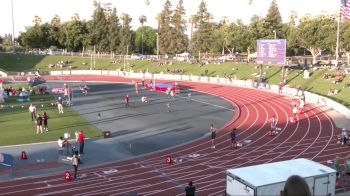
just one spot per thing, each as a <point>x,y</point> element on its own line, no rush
<point>109,32</point>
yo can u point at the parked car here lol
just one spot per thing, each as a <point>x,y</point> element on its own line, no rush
<point>136,56</point>
<point>183,56</point>
<point>229,57</point>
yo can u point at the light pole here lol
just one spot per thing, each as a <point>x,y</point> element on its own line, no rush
<point>274,32</point>
<point>13,30</point>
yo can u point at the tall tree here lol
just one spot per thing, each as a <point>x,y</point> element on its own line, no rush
<point>99,31</point>
<point>316,34</point>
<point>192,20</point>
<point>126,35</point>
<point>149,39</point>
<point>142,20</point>
<point>113,29</point>
<point>273,22</point>
<point>289,30</point>
<point>180,40</point>
<point>165,29</point>
<point>55,26</point>
<point>74,33</point>
<point>202,37</point>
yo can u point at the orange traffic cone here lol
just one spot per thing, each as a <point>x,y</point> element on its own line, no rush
<point>24,155</point>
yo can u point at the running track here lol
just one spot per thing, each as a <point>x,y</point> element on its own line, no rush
<point>313,137</point>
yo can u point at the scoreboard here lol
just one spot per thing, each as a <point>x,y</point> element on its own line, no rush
<point>271,51</point>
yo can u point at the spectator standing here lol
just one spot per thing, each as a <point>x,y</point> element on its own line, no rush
<point>280,86</point>
<point>136,88</point>
<point>213,135</point>
<point>126,100</point>
<point>32,110</point>
<point>75,164</point>
<point>61,143</point>
<point>60,105</point>
<point>86,88</point>
<point>143,82</point>
<point>233,138</point>
<point>39,123</point>
<point>190,189</point>
<point>45,117</point>
<point>81,139</point>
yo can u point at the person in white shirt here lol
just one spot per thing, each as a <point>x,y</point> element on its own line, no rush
<point>61,142</point>
<point>32,110</point>
<point>60,105</point>
<point>295,111</point>
<point>344,136</point>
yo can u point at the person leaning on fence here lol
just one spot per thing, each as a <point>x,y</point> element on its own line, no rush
<point>296,186</point>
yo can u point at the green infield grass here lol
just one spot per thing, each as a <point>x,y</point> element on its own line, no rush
<point>18,128</point>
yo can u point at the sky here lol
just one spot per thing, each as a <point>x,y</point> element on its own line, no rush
<point>25,10</point>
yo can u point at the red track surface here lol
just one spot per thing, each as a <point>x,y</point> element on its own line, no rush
<point>313,137</point>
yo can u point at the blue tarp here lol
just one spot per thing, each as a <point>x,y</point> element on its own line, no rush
<point>6,160</point>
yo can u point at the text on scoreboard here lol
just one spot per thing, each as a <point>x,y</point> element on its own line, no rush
<point>272,51</point>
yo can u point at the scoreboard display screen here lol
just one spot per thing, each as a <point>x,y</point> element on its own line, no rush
<point>271,51</point>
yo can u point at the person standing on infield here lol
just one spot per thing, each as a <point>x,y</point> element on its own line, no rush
<point>126,100</point>
<point>75,163</point>
<point>213,135</point>
<point>81,139</point>
<point>32,110</point>
<point>45,117</point>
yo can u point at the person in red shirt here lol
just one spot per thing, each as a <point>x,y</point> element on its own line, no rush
<point>81,139</point>
<point>280,86</point>
<point>126,100</point>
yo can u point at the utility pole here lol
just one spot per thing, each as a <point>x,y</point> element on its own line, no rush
<point>13,30</point>
<point>94,57</point>
<point>157,46</point>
